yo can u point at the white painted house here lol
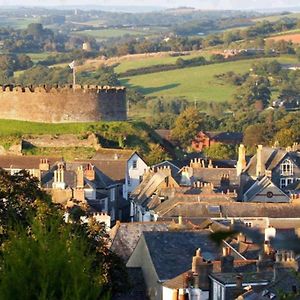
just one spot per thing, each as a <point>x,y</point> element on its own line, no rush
<point>135,169</point>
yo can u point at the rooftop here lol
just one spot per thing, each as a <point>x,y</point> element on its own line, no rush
<point>171,252</point>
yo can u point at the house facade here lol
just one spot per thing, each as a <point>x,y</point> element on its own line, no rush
<point>205,139</point>
<point>275,170</point>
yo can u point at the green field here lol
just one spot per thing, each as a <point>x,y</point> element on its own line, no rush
<point>101,34</point>
<point>17,23</point>
<point>36,57</point>
<point>277,17</point>
<point>142,62</point>
<point>293,31</point>
<point>197,83</point>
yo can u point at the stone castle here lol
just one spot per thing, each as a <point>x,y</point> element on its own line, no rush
<point>63,104</point>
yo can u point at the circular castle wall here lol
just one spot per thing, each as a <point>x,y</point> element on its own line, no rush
<point>63,104</point>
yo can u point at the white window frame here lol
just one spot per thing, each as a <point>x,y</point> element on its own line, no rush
<point>286,168</point>
<point>284,182</point>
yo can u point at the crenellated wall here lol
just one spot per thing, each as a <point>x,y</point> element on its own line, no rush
<point>63,104</point>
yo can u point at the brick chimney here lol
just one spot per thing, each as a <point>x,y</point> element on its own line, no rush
<point>44,164</point>
<point>227,261</point>
<point>241,163</point>
<point>265,259</point>
<point>201,270</point>
<point>260,167</point>
<point>80,177</point>
<point>90,172</point>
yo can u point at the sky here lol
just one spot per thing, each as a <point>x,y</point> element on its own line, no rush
<point>204,4</point>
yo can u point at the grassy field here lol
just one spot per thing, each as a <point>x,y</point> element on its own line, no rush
<point>17,23</point>
<point>277,17</point>
<point>141,62</point>
<point>68,153</point>
<point>36,57</point>
<point>101,34</point>
<point>196,83</point>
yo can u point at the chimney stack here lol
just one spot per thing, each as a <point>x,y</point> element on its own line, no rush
<point>80,177</point>
<point>44,165</point>
<point>201,270</point>
<point>241,163</point>
<point>227,261</point>
<point>90,172</point>
<point>260,168</point>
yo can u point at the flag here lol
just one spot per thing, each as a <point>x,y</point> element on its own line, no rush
<point>72,64</point>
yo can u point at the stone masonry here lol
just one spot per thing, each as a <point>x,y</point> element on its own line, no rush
<point>63,104</point>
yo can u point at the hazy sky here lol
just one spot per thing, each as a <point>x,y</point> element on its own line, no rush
<point>205,4</point>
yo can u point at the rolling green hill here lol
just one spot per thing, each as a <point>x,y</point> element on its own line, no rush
<point>197,83</point>
<point>141,62</point>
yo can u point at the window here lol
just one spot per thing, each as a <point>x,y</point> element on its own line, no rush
<point>286,168</point>
<point>141,178</point>
<point>134,164</point>
<point>284,182</point>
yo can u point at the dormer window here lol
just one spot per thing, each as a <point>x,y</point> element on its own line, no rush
<point>286,168</point>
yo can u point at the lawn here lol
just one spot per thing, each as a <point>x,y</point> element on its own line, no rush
<point>141,62</point>
<point>197,83</point>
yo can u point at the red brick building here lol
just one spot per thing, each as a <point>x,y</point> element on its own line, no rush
<point>205,139</point>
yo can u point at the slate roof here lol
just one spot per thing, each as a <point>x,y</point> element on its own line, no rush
<point>215,175</point>
<point>147,188</point>
<point>225,136</point>
<point>285,282</point>
<point>69,179</point>
<point>101,181</point>
<point>271,157</point>
<point>113,170</point>
<point>25,162</point>
<point>172,252</point>
<point>181,207</point>
<point>252,277</point>
<point>125,236</point>
<point>239,266</point>
<point>259,186</point>
<point>113,154</point>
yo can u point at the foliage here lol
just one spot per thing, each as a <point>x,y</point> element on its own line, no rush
<point>102,76</point>
<point>220,151</point>
<point>55,257</point>
<point>35,242</point>
<point>156,154</point>
<point>254,91</point>
<point>187,125</point>
<point>287,137</point>
<point>254,135</point>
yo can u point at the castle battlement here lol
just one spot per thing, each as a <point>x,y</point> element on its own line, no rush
<point>61,89</point>
<point>61,104</point>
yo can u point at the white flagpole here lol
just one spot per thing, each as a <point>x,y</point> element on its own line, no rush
<point>74,78</point>
<point>72,65</point>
